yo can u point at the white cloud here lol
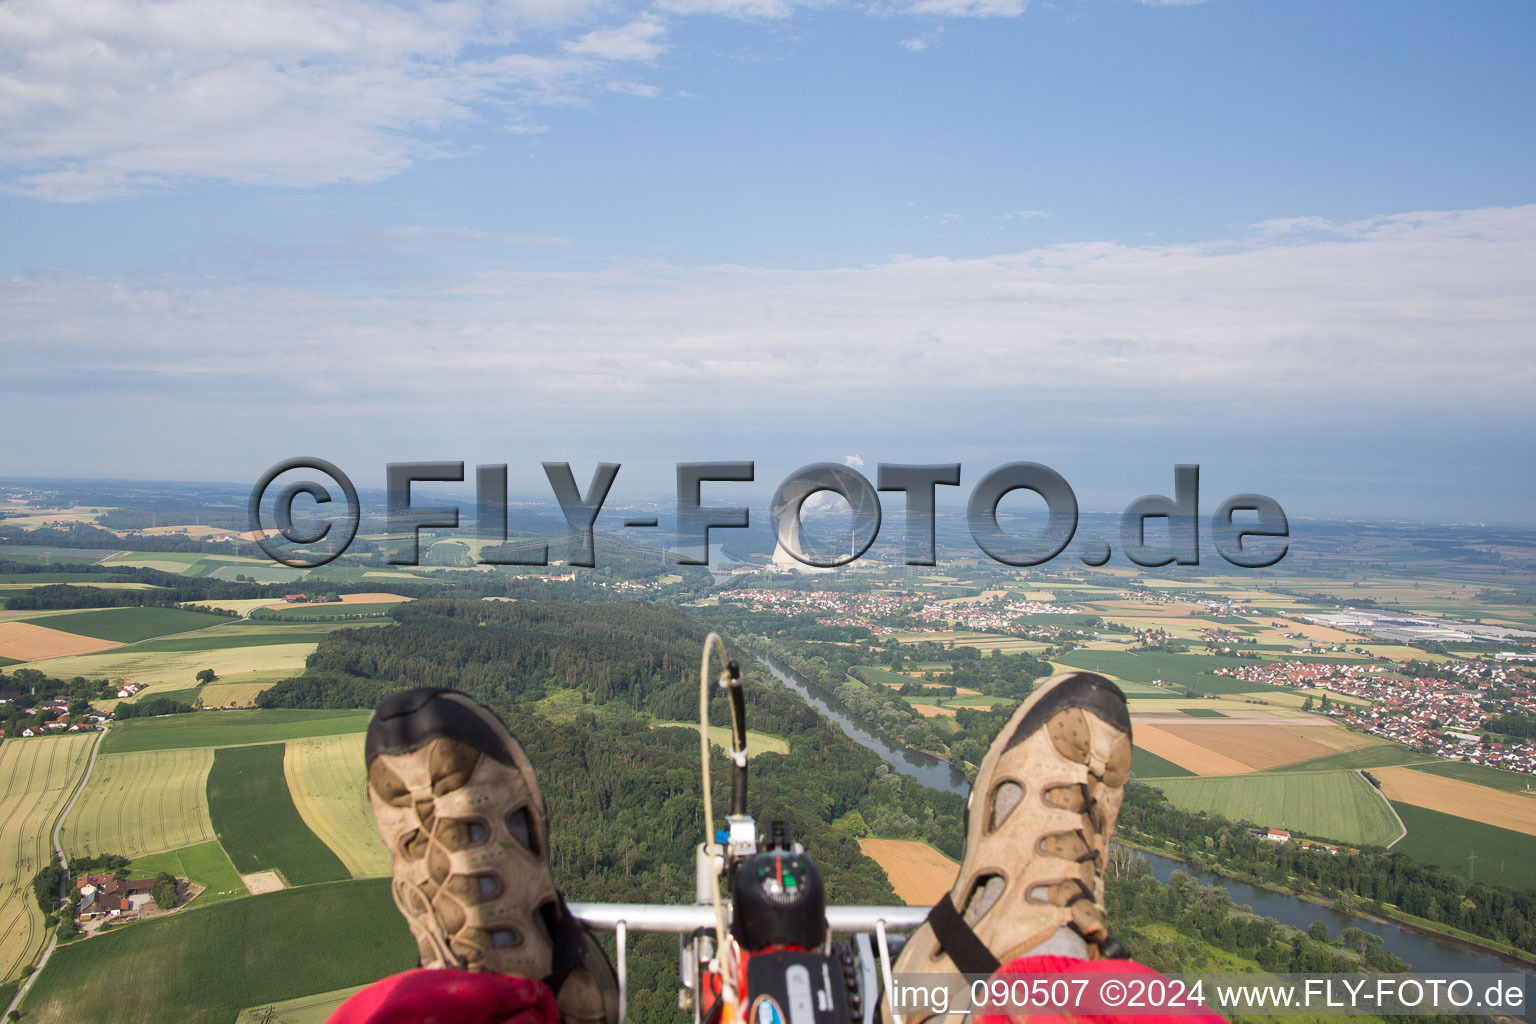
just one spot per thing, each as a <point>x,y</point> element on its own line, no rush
<point>1385,316</point>
<point>640,89</point>
<point>729,8</point>
<point>971,8</point>
<point>916,45</point>
<point>106,97</point>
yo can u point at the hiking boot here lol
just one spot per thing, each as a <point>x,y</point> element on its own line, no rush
<point>462,816</point>
<point>1038,823</point>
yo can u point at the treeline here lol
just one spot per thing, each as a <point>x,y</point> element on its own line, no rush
<point>152,707</point>
<point>1373,879</point>
<point>1137,903</point>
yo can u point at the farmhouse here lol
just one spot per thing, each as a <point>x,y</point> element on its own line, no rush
<point>130,689</point>
<point>1278,835</point>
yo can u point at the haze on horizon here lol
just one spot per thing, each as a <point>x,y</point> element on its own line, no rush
<point>1292,243</point>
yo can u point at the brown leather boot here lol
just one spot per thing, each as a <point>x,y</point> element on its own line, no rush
<point>461,813</point>
<point>1038,824</point>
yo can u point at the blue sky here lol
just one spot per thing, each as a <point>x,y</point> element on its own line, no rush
<point>1292,242</point>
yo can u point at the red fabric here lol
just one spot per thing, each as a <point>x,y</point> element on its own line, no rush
<point>1049,965</point>
<point>436,996</point>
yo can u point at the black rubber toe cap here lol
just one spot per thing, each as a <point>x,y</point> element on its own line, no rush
<point>410,719</point>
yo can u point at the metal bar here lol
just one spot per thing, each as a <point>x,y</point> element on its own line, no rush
<point>661,917</point>
<point>622,932</point>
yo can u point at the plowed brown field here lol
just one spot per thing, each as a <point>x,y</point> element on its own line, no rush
<point>919,873</point>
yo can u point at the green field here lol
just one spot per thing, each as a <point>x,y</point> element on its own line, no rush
<point>720,736</point>
<point>142,803</point>
<point>255,818</point>
<point>1504,857</point>
<point>1147,765</point>
<point>1186,670</point>
<point>128,625</point>
<point>1379,756</point>
<point>206,642</point>
<point>229,729</point>
<point>204,967</point>
<point>1482,775</point>
<point>1203,712</point>
<point>205,864</point>
<point>1330,805</point>
<point>8,661</point>
<point>315,1009</point>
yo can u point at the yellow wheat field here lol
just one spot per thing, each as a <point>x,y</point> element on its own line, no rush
<point>141,803</point>
<point>37,777</point>
<point>325,776</point>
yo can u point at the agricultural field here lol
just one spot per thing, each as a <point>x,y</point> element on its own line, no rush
<point>1514,811</point>
<point>1147,765</point>
<point>315,1009</point>
<point>223,695</point>
<point>142,803</point>
<point>1371,758</point>
<point>130,625</point>
<point>205,967</point>
<point>1213,748</point>
<point>37,777</point>
<point>30,641</point>
<point>1482,775</point>
<point>920,874</point>
<point>1340,806</point>
<point>1461,845</point>
<point>177,670</point>
<point>255,818</point>
<point>329,789</point>
<point>229,729</point>
<point>205,864</point>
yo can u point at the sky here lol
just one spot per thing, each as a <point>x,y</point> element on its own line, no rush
<point>1293,242</point>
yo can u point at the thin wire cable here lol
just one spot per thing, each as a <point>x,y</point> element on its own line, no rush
<point>727,969</point>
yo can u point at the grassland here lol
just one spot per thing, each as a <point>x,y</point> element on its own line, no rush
<point>129,625</point>
<point>221,695</point>
<point>36,779</point>
<point>205,864</point>
<point>1366,757</point>
<point>1147,765</point>
<point>1332,805</point>
<point>1502,856</point>
<point>142,803</point>
<point>315,1009</point>
<point>325,778</point>
<point>229,729</point>
<point>204,967</point>
<point>720,736</point>
<point>255,818</point>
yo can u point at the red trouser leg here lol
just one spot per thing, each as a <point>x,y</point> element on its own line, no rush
<point>1044,966</point>
<point>439,996</point>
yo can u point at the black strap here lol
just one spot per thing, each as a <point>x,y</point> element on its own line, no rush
<point>570,942</point>
<point>959,941</point>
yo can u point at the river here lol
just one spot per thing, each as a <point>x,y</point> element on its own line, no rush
<point>1425,952</point>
